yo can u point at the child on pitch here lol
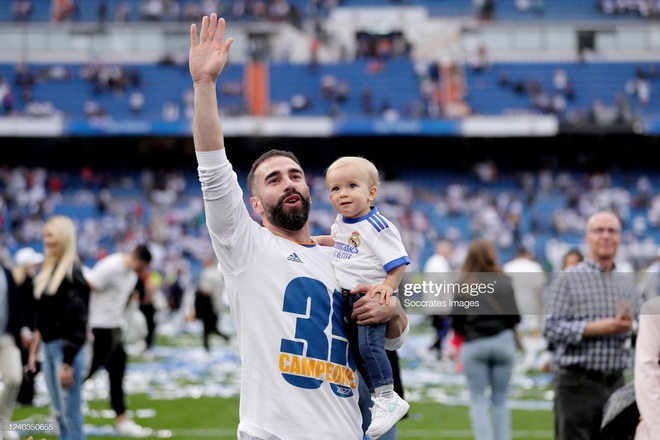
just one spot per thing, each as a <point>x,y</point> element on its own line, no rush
<point>367,250</point>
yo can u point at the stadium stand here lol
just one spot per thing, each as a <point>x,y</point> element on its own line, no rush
<point>156,10</point>
<point>395,84</point>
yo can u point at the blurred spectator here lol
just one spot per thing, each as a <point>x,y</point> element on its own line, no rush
<point>151,10</point>
<point>208,300</point>
<point>59,72</point>
<point>367,101</point>
<point>22,9</point>
<point>342,91</point>
<point>484,9</point>
<point>23,76</point>
<point>480,61</point>
<point>61,323</point>
<point>489,342</point>
<point>94,111</point>
<point>62,10</point>
<point>13,335</point>
<point>571,258</point>
<point>26,261</point>
<point>300,102</point>
<point>328,84</point>
<point>5,92</point>
<point>314,48</point>
<point>560,80</point>
<point>647,371</point>
<point>171,111</point>
<point>123,11</point>
<point>113,280</point>
<point>643,91</point>
<point>136,101</point>
<point>589,337</point>
<point>40,109</point>
<point>437,268</point>
<point>528,283</point>
<point>172,11</point>
<point>102,11</point>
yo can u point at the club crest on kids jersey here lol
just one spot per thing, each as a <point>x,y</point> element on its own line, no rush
<point>344,251</point>
<point>354,239</point>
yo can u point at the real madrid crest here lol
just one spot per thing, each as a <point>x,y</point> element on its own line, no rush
<point>354,239</point>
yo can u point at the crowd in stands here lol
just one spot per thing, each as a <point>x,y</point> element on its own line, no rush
<point>103,11</point>
<point>618,93</point>
<point>295,11</point>
<point>618,96</point>
<point>643,8</point>
<point>544,212</point>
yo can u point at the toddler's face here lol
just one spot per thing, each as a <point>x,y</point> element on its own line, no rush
<point>351,192</point>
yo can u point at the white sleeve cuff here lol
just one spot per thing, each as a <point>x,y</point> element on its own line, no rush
<point>396,343</point>
<point>210,159</point>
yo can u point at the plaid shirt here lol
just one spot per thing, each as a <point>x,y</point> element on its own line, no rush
<point>578,295</point>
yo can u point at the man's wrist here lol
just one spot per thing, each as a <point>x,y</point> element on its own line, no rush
<point>205,83</point>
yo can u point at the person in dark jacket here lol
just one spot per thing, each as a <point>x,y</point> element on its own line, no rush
<point>61,323</point>
<point>26,262</point>
<point>484,313</point>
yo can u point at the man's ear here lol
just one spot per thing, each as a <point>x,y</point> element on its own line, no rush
<point>256,205</point>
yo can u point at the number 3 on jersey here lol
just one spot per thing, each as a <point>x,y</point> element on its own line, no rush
<point>310,359</point>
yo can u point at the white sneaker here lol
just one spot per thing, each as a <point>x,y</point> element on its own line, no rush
<point>10,435</point>
<point>128,428</point>
<point>385,413</point>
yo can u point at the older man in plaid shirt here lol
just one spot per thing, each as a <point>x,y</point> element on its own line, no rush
<point>589,312</point>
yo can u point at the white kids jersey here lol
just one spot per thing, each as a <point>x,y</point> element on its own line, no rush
<point>366,248</point>
<point>298,378</point>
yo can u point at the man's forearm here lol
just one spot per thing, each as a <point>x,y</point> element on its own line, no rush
<point>397,325</point>
<point>207,129</point>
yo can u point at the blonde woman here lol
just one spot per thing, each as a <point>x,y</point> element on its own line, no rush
<point>61,323</point>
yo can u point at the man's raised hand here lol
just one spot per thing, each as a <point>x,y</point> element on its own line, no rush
<point>208,54</point>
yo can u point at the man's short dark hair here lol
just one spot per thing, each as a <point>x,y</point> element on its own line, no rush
<point>142,253</point>
<point>251,184</point>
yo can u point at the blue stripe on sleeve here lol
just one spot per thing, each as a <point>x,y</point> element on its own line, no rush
<point>396,263</point>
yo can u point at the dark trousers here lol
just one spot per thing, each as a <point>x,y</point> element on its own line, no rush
<point>578,406</point>
<point>368,342</point>
<point>26,393</point>
<point>149,312</point>
<point>205,312</point>
<point>109,353</point>
<point>442,324</point>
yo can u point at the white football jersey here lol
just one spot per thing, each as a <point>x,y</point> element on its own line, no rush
<point>113,283</point>
<point>298,377</point>
<point>366,248</point>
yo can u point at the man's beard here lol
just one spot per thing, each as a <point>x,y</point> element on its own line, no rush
<point>293,219</point>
